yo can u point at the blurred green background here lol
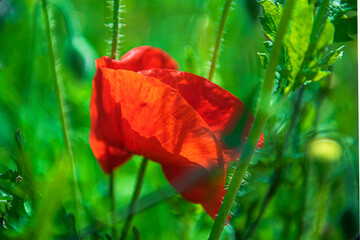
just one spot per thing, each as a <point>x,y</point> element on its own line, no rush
<point>318,194</point>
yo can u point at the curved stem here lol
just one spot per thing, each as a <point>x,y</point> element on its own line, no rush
<point>58,87</point>
<point>219,39</point>
<point>60,103</point>
<point>115,29</point>
<point>136,194</point>
<point>257,128</point>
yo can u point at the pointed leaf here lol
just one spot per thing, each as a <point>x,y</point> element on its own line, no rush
<point>319,75</point>
<point>297,41</point>
<point>332,58</point>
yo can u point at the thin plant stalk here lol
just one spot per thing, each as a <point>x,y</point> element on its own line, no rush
<point>115,32</point>
<point>114,49</point>
<point>219,37</point>
<point>259,123</point>
<point>148,201</point>
<point>61,105</point>
<point>278,172</point>
<point>135,197</point>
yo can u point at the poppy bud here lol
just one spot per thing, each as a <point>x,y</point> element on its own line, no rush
<point>324,150</point>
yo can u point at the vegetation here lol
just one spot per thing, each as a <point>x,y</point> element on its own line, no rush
<point>293,64</point>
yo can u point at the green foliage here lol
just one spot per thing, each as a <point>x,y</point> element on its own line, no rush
<point>298,39</point>
<point>36,190</point>
<point>302,59</point>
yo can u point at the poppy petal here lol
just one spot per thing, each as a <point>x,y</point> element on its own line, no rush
<point>212,206</point>
<point>221,110</point>
<point>140,58</point>
<point>154,120</point>
<point>147,57</point>
<point>109,157</point>
<point>104,133</point>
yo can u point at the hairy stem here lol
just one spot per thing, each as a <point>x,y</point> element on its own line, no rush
<point>259,123</point>
<point>115,37</point>
<point>114,49</point>
<point>60,102</point>
<point>136,194</point>
<point>219,37</point>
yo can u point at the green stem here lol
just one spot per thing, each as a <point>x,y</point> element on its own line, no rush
<point>115,29</point>
<point>257,128</point>
<point>136,194</point>
<point>148,201</point>
<point>219,39</point>
<point>112,203</point>
<point>60,102</point>
<point>278,172</point>
<point>114,48</point>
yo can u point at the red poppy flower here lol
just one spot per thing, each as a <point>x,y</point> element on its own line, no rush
<point>143,105</point>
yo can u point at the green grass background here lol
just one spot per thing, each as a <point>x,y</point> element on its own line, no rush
<point>186,29</point>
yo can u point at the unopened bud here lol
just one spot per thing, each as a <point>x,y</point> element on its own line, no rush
<point>324,150</point>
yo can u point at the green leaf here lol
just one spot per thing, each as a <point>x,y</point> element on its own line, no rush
<point>297,42</point>
<point>332,58</point>
<point>325,38</point>
<point>319,75</point>
<point>272,17</point>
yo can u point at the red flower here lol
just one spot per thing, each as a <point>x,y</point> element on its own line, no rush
<point>142,105</point>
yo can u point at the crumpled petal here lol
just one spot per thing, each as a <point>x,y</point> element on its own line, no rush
<point>109,153</point>
<point>104,132</point>
<point>140,58</point>
<point>177,119</point>
<point>221,110</point>
<point>147,57</point>
<point>108,156</point>
<point>142,115</point>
